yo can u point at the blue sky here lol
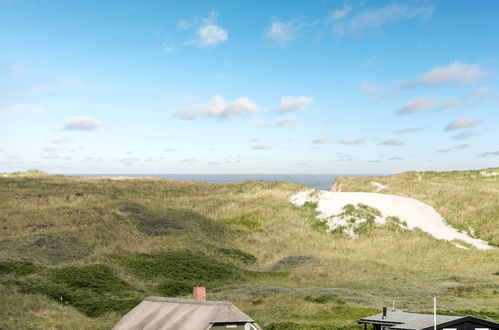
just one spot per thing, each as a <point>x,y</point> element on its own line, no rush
<point>248,86</point>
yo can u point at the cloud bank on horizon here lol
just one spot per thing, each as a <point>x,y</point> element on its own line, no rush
<point>206,87</point>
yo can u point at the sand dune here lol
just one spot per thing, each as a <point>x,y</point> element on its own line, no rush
<point>415,213</point>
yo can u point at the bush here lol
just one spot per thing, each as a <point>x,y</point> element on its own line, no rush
<point>19,268</point>
<point>93,290</point>
<point>292,261</point>
<point>249,220</point>
<point>175,288</point>
<point>98,278</point>
<point>185,266</point>
<point>239,255</point>
<point>324,299</point>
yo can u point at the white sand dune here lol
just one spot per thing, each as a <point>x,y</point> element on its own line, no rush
<point>378,186</point>
<point>415,213</point>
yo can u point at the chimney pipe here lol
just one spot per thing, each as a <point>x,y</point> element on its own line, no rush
<point>384,312</point>
<point>199,292</point>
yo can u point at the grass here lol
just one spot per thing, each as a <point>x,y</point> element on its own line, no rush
<point>103,245</point>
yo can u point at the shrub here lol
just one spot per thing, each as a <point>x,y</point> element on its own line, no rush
<point>175,288</point>
<point>94,290</point>
<point>239,255</point>
<point>19,268</point>
<point>98,278</point>
<point>196,268</point>
<point>324,299</point>
<point>249,220</point>
<point>292,261</point>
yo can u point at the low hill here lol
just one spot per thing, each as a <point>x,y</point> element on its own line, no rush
<point>80,252</point>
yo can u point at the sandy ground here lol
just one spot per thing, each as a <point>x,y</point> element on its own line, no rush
<point>415,213</point>
<point>485,173</point>
<point>378,186</point>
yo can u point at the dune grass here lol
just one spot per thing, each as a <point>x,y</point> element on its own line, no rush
<point>104,244</point>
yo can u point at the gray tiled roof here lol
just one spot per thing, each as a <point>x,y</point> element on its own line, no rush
<point>397,319</point>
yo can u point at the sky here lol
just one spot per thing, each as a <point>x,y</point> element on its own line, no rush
<point>354,87</point>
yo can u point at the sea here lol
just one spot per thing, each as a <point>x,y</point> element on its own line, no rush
<point>318,181</point>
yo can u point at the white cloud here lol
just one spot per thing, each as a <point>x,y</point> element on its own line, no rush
<point>167,48</point>
<point>370,88</point>
<point>49,156</point>
<point>17,68</point>
<point>343,158</point>
<point>82,124</point>
<point>127,161</point>
<point>320,140</point>
<point>61,140</point>
<point>264,146</point>
<point>375,18</point>
<point>464,122</point>
<point>466,134</point>
<point>280,32</point>
<point>371,60</point>
<point>340,13</point>
<point>455,73</point>
<point>417,106</point>
<point>48,149</point>
<point>392,142</point>
<point>478,96</point>
<point>451,104</point>
<point>210,35</point>
<point>184,24</point>
<point>290,103</point>
<point>349,141</point>
<point>409,130</point>
<point>24,107</point>
<point>71,82</point>
<point>218,107</point>
<point>279,122</point>
<point>490,153</point>
<point>462,146</point>
<point>483,94</point>
<point>208,32</point>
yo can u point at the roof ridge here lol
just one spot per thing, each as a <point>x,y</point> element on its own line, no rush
<point>188,301</point>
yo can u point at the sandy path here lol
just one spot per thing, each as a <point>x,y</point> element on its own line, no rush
<point>415,213</point>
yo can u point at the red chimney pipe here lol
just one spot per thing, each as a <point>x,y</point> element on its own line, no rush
<point>199,292</point>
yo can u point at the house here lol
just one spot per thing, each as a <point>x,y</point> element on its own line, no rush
<point>400,320</point>
<point>158,313</point>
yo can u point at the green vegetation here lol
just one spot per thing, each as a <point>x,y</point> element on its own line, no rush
<point>360,219</point>
<point>17,268</point>
<point>194,268</point>
<point>79,252</point>
<point>93,290</point>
